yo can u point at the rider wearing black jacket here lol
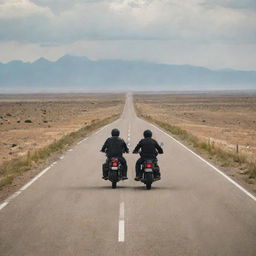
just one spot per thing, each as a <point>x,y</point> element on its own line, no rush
<point>149,150</point>
<point>115,147</point>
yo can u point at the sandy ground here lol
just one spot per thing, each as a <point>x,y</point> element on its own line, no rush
<point>28,122</point>
<point>228,120</point>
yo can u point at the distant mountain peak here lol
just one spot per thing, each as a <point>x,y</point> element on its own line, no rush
<point>71,58</point>
<point>41,61</point>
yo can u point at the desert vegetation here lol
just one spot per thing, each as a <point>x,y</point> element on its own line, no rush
<point>32,127</point>
<point>218,126</point>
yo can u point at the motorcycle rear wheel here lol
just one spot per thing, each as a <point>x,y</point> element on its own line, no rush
<point>113,184</point>
<point>148,179</point>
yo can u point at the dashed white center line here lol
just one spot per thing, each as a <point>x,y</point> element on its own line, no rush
<point>129,136</point>
<point>121,223</point>
<point>70,150</point>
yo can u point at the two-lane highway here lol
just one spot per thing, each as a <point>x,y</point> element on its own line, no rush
<point>70,210</point>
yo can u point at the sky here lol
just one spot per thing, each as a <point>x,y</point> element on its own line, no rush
<point>211,33</point>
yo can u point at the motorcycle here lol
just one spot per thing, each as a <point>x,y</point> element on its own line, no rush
<point>114,169</point>
<point>150,172</point>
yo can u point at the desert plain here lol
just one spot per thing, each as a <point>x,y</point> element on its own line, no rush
<point>32,121</point>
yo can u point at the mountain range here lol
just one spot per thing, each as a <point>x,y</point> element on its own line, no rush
<point>80,72</point>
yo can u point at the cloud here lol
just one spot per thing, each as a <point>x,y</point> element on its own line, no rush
<point>122,20</point>
<point>121,5</point>
<point>19,9</point>
<point>62,5</point>
<point>207,27</point>
<point>235,4</point>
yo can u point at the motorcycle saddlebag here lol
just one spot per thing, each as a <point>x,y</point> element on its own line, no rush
<point>105,169</point>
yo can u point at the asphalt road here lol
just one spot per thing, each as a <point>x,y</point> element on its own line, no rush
<point>69,210</point>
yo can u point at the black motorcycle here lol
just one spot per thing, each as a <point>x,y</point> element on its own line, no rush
<point>114,169</point>
<point>150,172</point>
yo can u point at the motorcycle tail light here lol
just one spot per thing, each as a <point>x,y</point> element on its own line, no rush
<point>149,165</point>
<point>115,164</point>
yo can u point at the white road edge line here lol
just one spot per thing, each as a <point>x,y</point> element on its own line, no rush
<point>9,199</point>
<point>36,178</point>
<point>14,195</point>
<point>3,205</point>
<point>209,164</point>
<point>121,223</point>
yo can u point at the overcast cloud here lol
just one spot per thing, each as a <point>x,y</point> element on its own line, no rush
<point>212,33</point>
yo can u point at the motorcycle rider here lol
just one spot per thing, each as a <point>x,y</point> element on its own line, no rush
<point>149,150</point>
<point>115,147</point>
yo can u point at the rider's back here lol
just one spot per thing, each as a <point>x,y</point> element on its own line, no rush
<point>115,146</point>
<point>148,148</point>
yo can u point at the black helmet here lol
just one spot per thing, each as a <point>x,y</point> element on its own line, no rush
<point>115,132</point>
<point>147,134</point>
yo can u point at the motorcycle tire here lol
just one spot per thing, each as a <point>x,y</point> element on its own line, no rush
<point>148,186</point>
<point>113,184</point>
<point>149,180</point>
